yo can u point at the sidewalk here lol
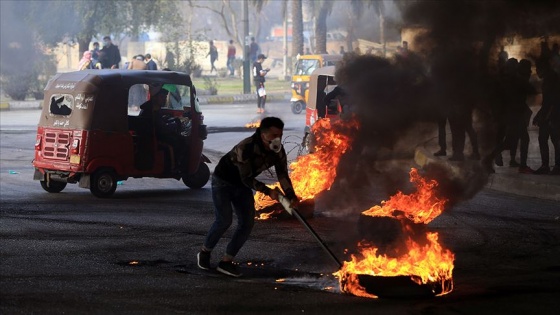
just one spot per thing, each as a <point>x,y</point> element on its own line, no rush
<point>203,99</point>
<point>506,179</point>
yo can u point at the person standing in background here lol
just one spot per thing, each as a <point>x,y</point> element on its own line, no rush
<point>213,53</point>
<point>95,51</point>
<point>151,65</point>
<point>231,58</point>
<point>253,50</point>
<point>87,62</point>
<point>258,78</point>
<point>110,56</point>
<point>137,63</point>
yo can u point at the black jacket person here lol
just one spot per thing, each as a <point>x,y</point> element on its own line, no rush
<point>233,182</point>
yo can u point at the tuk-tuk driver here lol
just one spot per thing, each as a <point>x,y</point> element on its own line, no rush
<point>167,131</point>
<point>233,182</point>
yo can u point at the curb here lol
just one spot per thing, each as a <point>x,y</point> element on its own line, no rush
<point>240,98</point>
<point>16,105</point>
<point>203,100</point>
<point>528,185</point>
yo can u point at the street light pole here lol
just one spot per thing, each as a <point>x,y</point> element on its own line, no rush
<point>246,65</point>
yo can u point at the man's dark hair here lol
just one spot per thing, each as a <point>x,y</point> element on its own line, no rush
<point>107,37</point>
<point>148,56</point>
<point>95,44</point>
<point>269,122</point>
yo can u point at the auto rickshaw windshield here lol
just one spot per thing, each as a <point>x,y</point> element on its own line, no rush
<point>306,66</point>
<point>178,97</point>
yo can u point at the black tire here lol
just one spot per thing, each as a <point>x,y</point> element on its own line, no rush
<point>199,178</point>
<point>103,183</point>
<point>297,107</point>
<point>53,186</point>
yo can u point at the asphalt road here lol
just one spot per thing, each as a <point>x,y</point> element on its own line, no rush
<point>135,253</point>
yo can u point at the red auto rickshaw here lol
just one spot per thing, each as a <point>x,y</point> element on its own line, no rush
<point>90,132</point>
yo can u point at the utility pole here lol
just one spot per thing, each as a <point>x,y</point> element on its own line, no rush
<point>285,60</point>
<point>246,59</point>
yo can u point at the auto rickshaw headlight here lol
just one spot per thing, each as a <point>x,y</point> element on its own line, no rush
<point>38,143</point>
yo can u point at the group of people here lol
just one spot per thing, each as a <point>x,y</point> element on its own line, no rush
<point>254,49</point>
<point>512,114</point>
<point>109,57</point>
<point>257,69</point>
<point>515,115</point>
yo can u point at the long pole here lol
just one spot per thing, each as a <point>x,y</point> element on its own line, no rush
<point>246,65</point>
<point>316,236</point>
<point>285,39</point>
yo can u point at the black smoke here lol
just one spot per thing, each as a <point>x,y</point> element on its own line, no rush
<point>452,69</point>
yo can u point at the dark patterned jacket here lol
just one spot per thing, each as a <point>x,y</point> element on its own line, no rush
<point>248,159</point>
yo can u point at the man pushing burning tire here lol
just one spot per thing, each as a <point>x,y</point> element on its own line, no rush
<point>234,179</point>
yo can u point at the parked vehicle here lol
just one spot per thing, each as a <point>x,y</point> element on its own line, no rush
<point>305,65</point>
<point>88,134</point>
<point>321,82</point>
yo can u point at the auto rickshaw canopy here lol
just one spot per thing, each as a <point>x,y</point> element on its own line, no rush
<point>98,99</point>
<point>318,82</point>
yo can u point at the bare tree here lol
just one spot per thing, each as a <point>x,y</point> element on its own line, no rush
<point>228,16</point>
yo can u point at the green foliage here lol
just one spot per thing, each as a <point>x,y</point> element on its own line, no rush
<point>211,84</point>
<point>181,58</point>
<point>17,85</point>
<point>44,69</point>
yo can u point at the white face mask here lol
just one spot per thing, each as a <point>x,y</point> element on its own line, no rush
<point>275,145</point>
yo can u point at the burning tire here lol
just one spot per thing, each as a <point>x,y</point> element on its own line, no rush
<point>103,183</point>
<point>199,178</point>
<point>297,107</point>
<point>53,186</point>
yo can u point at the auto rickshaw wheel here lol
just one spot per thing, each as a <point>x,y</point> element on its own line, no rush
<point>199,178</point>
<point>297,107</point>
<point>103,183</point>
<point>53,186</point>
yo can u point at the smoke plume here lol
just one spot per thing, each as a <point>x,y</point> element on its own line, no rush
<point>450,69</point>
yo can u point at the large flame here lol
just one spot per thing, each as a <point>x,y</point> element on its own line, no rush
<point>428,263</point>
<point>422,206</point>
<point>425,262</point>
<point>315,172</point>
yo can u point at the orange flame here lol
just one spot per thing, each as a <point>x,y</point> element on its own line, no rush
<point>315,172</point>
<point>421,206</point>
<point>264,204</point>
<point>429,263</point>
<point>253,124</point>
